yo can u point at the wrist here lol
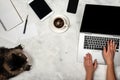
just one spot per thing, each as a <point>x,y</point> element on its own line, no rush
<point>110,64</point>
<point>89,75</point>
<point>90,72</point>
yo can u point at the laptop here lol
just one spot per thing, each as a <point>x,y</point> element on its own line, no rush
<point>100,23</point>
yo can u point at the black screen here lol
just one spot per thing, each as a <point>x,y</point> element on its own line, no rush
<point>72,6</point>
<point>101,19</point>
<point>41,8</point>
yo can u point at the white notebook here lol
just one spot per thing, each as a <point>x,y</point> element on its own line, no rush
<point>9,16</point>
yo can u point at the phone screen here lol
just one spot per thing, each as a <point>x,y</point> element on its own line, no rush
<point>41,8</point>
<point>72,6</point>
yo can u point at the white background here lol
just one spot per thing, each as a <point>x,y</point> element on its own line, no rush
<point>54,55</point>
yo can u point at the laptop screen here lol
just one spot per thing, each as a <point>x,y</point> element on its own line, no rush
<point>101,19</point>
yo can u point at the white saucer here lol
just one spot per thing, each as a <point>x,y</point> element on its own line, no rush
<point>62,29</point>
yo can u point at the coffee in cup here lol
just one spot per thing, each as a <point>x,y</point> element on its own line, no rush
<point>60,23</point>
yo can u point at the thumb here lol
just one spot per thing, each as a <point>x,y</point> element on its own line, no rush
<point>95,64</point>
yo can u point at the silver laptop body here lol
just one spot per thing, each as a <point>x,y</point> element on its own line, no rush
<point>100,23</point>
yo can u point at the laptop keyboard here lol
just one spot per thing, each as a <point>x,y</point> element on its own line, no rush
<point>97,43</point>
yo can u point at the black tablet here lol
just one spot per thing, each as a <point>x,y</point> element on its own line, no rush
<point>41,8</point>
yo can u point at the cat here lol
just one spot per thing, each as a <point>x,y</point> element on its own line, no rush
<point>13,61</point>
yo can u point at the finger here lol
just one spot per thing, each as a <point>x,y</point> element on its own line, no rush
<point>111,42</point>
<point>104,50</point>
<point>114,47</point>
<point>111,45</point>
<point>95,64</point>
<point>90,58</point>
<point>87,56</point>
<point>86,59</point>
<point>108,45</point>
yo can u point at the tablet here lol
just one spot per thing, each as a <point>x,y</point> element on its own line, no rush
<point>41,8</point>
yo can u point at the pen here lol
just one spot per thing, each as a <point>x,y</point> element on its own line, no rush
<point>25,25</point>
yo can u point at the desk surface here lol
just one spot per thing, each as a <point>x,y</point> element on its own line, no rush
<point>54,55</point>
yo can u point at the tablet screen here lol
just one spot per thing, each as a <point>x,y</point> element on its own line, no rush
<point>41,8</point>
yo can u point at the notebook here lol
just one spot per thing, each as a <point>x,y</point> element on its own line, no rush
<point>100,23</point>
<point>9,16</point>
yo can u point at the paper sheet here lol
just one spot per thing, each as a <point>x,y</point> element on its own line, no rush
<point>9,15</point>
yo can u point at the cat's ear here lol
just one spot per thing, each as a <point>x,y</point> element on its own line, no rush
<point>19,47</point>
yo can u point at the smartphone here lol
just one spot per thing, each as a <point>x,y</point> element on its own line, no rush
<point>72,6</point>
<point>41,8</point>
